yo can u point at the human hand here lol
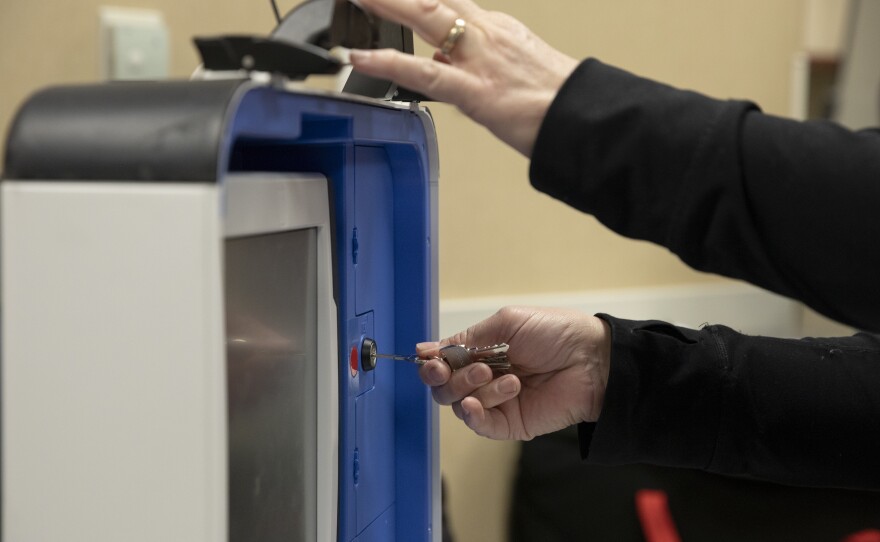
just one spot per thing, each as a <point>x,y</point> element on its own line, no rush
<point>499,73</point>
<point>559,370</point>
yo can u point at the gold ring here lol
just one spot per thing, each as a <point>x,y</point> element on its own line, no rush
<point>455,34</point>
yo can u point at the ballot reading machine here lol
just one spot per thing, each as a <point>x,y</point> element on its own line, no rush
<point>189,270</point>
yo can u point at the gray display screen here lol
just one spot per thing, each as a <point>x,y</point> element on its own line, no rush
<point>271,332</point>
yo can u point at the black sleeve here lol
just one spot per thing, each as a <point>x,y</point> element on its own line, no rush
<point>795,411</point>
<point>793,207</point>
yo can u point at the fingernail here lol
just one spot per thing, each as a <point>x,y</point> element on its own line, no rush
<point>425,347</point>
<point>507,385</point>
<point>477,377</point>
<point>465,411</point>
<point>359,56</point>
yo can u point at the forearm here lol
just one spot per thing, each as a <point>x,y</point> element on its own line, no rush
<point>802,412</point>
<point>784,205</point>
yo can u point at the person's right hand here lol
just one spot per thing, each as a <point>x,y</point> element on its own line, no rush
<point>559,370</point>
<point>499,73</point>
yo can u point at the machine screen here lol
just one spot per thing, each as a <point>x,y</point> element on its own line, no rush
<point>271,334</point>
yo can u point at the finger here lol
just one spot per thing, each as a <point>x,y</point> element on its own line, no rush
<point>440,57</point>
<point>435,373</point>
<point>498,391</point>
<point>435,79</point>
<point>489,423</point>
<point>465,8</point>
<point>492,395</point>
<point>430,19</point>
<point>428,350</point>
<point>456,409</point>
<point>462,383</point>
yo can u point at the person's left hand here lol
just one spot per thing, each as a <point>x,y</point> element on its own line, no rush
<point>499,73</point>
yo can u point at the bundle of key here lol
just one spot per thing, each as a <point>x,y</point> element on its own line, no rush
<point>456,356</point>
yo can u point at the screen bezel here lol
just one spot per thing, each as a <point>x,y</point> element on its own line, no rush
<point>265,203</point>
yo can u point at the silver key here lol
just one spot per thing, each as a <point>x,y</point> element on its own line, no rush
<point>412,359</point>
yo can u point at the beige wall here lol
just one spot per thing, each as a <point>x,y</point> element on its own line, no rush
<point>498,236</point>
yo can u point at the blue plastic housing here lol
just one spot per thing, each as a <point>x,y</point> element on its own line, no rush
<point>378,161</point>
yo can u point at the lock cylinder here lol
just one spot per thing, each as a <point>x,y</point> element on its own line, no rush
<point>369,354</point>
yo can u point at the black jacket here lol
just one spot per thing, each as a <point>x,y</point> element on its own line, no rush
<point>793,207</point>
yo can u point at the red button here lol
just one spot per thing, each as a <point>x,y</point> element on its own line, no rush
<point>353,361</point>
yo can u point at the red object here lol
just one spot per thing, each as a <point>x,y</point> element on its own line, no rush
<point>353,361</point>
<point>652,507</point>
<point>868,535</point>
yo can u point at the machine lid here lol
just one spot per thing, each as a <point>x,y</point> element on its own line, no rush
<point>145,130</point>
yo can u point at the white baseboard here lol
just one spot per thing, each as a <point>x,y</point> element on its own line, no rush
<point>740,306</point>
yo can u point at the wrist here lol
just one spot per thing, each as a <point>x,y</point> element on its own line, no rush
<point>601,368</point>
<point>595,362</point>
